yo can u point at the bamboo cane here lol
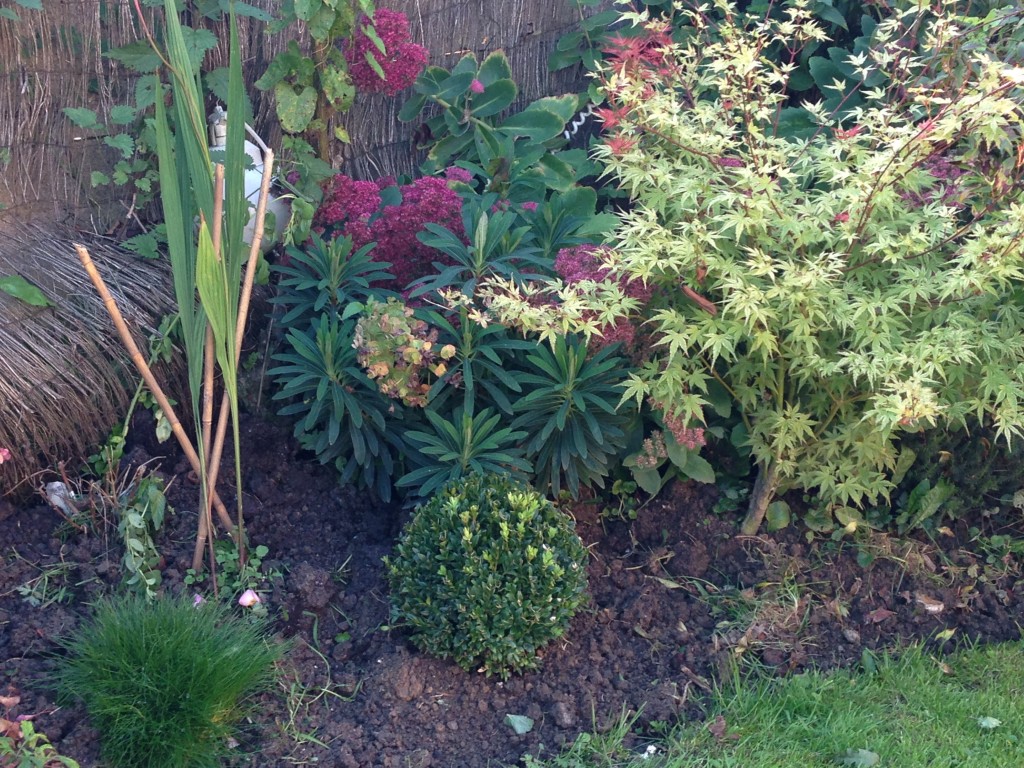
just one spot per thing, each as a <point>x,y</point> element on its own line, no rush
<point>243,312</point>
<point>147,374</point>
<point>204,532</point>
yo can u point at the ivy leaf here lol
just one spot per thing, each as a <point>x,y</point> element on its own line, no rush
<point>295,110</point>
<point>521,724</point>
<point>20,288</point>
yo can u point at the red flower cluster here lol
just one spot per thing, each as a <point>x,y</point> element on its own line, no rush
<point>583,262</point>
<point>455,173</point>
<point>685,435</point>
<point>947,189</point>
<point>402,62</point>
<point>349,205</point>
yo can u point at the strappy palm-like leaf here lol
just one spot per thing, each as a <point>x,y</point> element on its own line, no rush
<point>341,414</point>
<point>462,446</point>
<point>569,414</point>
<point>328,274</point>
<point>495,249</point>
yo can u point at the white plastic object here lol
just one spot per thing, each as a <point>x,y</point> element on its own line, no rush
<point>253,178</point>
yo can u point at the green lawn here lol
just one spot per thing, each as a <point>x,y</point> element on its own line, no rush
<point>921,710</point>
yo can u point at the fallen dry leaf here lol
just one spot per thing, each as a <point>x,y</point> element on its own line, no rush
<point>12,730</point>
<point>878,615</point>
<point>9,702</point>
<point>718,728</point>
<point>930,604</point>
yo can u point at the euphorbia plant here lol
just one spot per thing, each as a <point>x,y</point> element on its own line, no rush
<point>845,288</point>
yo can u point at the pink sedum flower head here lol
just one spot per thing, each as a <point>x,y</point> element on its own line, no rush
<point>476,87</point>
<point>5,455</point>
<point>249,598</point>
<point>585,262</point>
<point>197,600</point>
<point>348,206</point>
<point>455,173</point>
<point>402,61</point>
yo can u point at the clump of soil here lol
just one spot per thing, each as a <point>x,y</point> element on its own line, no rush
<point>676,599</point>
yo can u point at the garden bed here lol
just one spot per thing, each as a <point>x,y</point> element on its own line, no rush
<point>677,598</point>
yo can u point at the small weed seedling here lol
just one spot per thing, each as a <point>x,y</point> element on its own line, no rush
<point>300,698</point>
<point>234,577</point>
<point>49,587</point>
<point>141,512</point>
<point>22,746</point>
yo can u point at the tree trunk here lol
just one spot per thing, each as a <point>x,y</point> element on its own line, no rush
<point>764,491</point>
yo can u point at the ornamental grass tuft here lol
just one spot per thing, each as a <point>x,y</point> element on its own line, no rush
<point>486,573</point>
<point>164,681</point>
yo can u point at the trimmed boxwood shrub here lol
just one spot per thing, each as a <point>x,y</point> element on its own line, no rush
<point>487,572</point>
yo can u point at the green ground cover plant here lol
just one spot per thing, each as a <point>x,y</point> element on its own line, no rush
<point>22,746</point>
<point>486,573</point>
<point>164,681</point>
<point>918,710</point>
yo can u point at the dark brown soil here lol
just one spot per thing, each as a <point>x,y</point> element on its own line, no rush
<point>676,599</point>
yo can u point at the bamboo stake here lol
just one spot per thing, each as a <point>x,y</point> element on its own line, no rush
<point>147,374</point>
<point>243,312</point>
<point>204,533</point>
